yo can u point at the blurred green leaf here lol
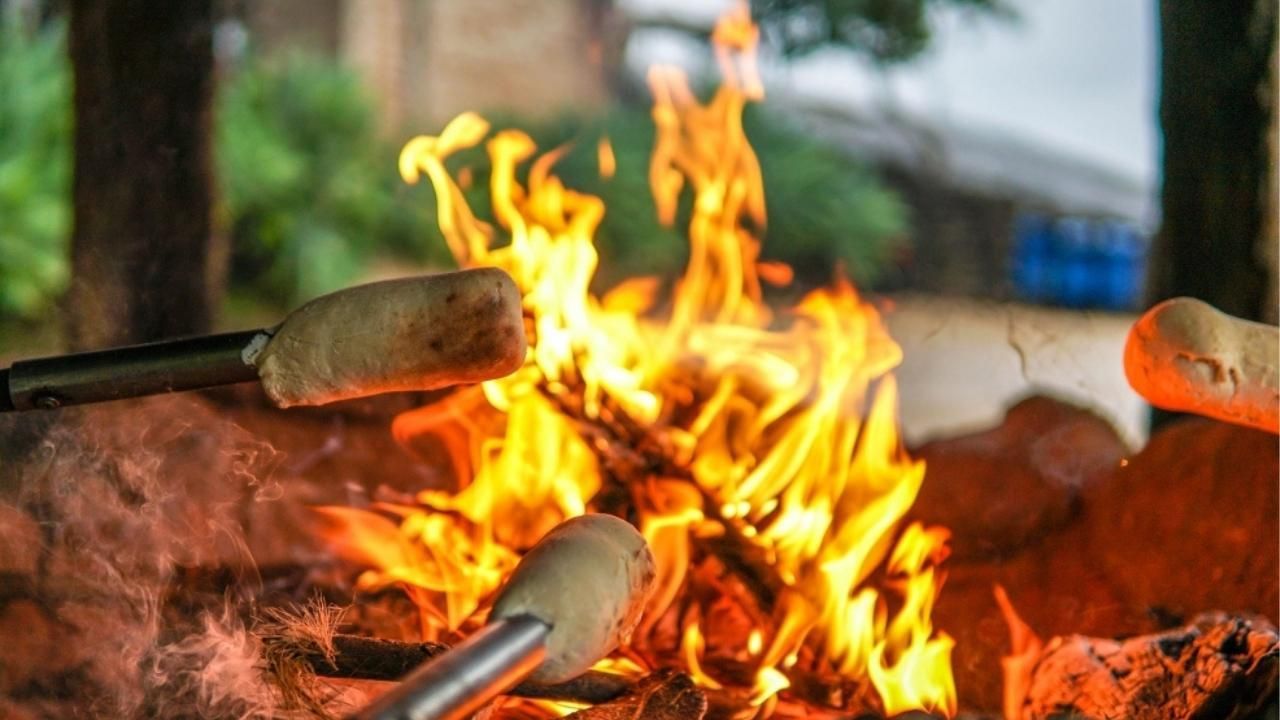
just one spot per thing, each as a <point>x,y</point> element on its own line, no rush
<point>888,31</point>
<point>35,166</point>
<point>310,190</point>
<point>825,207</point>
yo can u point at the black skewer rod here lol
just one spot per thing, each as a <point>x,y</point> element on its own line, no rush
<point>128,372</point>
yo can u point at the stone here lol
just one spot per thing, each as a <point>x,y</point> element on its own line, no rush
<point>1192,523</point>
<point>1000,489</point>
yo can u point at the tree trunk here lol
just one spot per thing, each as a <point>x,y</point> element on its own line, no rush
<point>1215,113</point>
<point>141,259</point>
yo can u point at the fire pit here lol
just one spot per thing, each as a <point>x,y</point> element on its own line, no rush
<point>799,549</point>
<point>759,456</point>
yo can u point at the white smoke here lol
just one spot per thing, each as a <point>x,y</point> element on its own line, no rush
<point>128,499</point>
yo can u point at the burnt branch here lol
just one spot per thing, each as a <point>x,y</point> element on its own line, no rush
<point>361,658</point>
<point>654,696</point>
<point>1218,667</point>
<point>664,695</point>
<point>628,449</point>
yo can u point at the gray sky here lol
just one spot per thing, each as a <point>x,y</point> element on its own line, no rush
<point>1077,76</point>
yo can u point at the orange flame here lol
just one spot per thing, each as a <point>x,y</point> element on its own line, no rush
<point>784,436</point>
<point>605,158</point>
<point>1024,653</point>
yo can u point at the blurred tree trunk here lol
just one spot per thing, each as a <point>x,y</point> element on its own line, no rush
<point>1270,240</point>
<point>141,260</point>
<point>1215,115</point>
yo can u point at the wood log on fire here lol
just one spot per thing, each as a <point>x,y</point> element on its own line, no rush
<point>1186,356</point>
<point>664,695</point>
<point>1222,667</point>
<point>628,450</point>
<point>361,658</point>
<point>352,657</point>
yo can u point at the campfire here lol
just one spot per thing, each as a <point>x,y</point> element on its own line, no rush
<point>757,451</point>
<point>682,498</point>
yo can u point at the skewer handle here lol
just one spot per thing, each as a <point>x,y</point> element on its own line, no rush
<point>459,682</point>
<point>127,372</point>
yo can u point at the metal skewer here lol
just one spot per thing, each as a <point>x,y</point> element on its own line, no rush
<point>129,372</point>
<point>538,626</point>
<point>456,684</point>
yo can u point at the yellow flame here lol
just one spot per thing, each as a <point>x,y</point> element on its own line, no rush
<point>781,434</point>
<point>692,645</point>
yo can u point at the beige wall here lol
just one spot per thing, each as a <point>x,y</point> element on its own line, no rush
<point>372,40</point>
<point>428,60</point>
<point>531,56</point>
<point>280,25</point>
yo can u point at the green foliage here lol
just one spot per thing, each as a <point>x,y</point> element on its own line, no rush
<point>307,189</point>
<point>886,30</point>
<point>824,207</point>
<point>35,165</point>
<point>310,192</point>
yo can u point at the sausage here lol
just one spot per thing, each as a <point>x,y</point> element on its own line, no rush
<point>589,579</point>
<point>1185,355</point>
<point>417,333</point>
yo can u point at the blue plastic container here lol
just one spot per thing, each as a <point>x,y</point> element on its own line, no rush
<point>1078,262</point>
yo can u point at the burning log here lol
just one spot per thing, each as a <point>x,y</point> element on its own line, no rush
<point>1220,666</point>
<point>759,458</point>
<point>1185,355</point>
<point>305,641</point>
<point>664,695</point>
<point>629,450</point>
<point>360,658</point>
<point>352,657</point>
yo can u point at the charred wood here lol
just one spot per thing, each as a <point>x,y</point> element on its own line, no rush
<point>1218,667</point>
<point>629,450</point>
<point>664,695</point>
<point>361,658</point>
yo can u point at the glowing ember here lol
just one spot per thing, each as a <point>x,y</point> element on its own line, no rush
<point>715,428</point>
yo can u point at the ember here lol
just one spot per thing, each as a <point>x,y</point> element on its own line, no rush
<point>759,457</point>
